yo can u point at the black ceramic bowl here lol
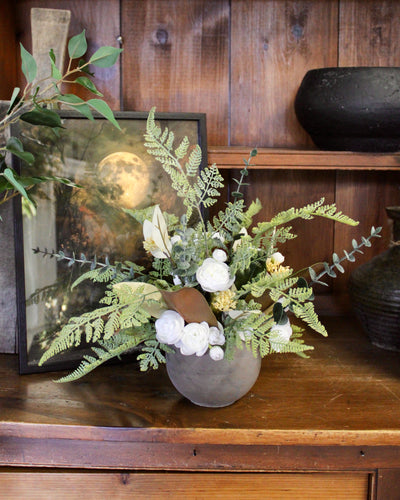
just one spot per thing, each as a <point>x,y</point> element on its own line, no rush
<point>351,108</point>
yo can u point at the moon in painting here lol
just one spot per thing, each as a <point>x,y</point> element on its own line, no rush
<point>130,174</point>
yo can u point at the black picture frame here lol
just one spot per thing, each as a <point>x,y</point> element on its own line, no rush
<point>111,166</point>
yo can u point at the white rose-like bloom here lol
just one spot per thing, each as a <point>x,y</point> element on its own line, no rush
<point>219,255</point>
<point>169,327</point>
<point>213,276</point>
<point>216,353</point>
<point>194,339</point>
<point>217,336</point>
<point>280,335</point>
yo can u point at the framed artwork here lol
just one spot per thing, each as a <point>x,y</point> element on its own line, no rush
<point>115,172</point>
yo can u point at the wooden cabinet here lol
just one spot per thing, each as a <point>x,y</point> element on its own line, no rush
<point>329,424</point>
<point>323,427</point>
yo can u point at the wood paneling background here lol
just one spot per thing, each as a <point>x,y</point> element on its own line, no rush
<point>240,62</point>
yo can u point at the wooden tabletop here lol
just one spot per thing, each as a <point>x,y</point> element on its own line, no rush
<point>346,393</point>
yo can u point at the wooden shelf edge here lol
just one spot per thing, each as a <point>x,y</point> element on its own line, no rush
<point>264,437</point>
<point>270,158</point>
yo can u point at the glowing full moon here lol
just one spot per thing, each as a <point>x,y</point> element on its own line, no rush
<point>130,173</point>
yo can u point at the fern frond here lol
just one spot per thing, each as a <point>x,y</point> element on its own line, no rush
<point>194,162</point>
<point>108,350</point>
<point>151,355</point>
<point>307,313</point>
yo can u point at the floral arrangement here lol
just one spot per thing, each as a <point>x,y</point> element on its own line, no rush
<point>213,285</point>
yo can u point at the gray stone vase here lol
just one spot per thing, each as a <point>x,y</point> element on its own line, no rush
<point>210,383</point>
<point>375,292</point>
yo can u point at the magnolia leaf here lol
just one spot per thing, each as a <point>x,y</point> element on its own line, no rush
<point>77,46</point>
<point>191,305</point>
<point>149,292</point>
<point>28,66</point>
<point>105,57</point>
<point>104,109</point>
<point>42,116</point>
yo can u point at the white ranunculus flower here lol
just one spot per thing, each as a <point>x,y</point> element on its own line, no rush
<point>280,335</point>
<point>213,276</point>
<point>194,339</point>
<point>217,336</point>
<point>219,255</point>
<point>169,327</point>
<point>155,233</point>
<point>216,353</point>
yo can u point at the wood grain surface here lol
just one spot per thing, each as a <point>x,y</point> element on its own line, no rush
<point>346,393</point>
<point>153,486</point>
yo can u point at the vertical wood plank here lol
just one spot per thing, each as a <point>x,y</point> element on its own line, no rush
<point>8,49</point>
<point>176,58</point>
<point>388,484</point>
<point>274,43</point>
<point>369,36</point>
<point>364,197</point>
<point>101,22</point>
<point>369,33</point>
<point>280,190</point>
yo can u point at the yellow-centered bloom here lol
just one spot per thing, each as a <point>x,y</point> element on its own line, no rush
<point>223,301</point>
<point>274,263</point>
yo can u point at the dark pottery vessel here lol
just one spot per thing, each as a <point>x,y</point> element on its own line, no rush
<point>375,292</point>
<point>351,108</point>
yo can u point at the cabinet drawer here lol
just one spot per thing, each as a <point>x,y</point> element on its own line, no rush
<point>59,485</point>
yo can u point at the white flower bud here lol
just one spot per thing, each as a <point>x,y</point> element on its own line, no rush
<point>280,335</point>
<point>217,336</point>
<point>219,255</point>
<point>216,353</point>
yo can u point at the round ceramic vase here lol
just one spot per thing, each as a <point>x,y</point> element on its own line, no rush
<point>351,108</point>
<point>206,382</point>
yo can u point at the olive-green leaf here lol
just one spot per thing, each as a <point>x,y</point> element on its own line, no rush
<point>55,72</point>
<point>88,84</point>
<point>105,57</point>
<point>12,178</point>
<point>28,66</point>
<point>78,104</point>
<point>15,147</point>
<point>77,46</point>
<point>42,116</point>
<point>104,109</point>
<point>13,100</point>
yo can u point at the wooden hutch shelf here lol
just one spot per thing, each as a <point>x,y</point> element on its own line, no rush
<point>324,427</point>
<point>283,159</point>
